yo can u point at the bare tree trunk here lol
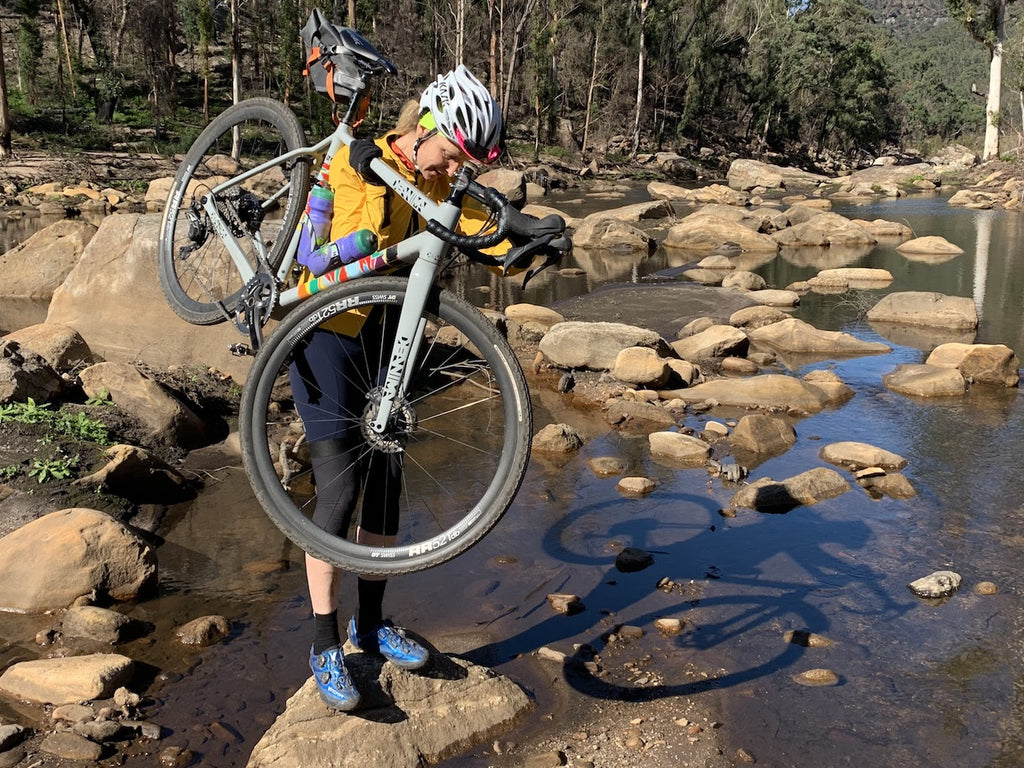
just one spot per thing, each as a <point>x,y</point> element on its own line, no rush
<point>640,78</point>
<point>460,31</point>
<point>995,85</point>
<point>236,77</point>
<point>492,52</point>
<point>593,83</point>
<point>352,13</point>
<point>121,26</point>
<point>514,50</point>
<point>5,117</point>
<point>67,49</point>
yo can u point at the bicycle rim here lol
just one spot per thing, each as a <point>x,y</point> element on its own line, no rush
<point>197,274</point>
<point>464,431</point>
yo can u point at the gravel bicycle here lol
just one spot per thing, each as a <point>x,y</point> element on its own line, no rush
<point>445,402</point>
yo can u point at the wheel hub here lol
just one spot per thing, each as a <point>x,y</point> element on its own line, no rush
<point>400,426</point>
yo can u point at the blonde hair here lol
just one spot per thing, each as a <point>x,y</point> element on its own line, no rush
<point>409,117</point>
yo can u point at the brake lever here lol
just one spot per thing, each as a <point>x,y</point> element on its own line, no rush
<point>557,249</point>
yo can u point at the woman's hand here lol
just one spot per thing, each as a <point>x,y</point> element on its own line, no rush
<point>360,153</point>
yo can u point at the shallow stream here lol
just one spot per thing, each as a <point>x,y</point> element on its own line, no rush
<point>920,684</point>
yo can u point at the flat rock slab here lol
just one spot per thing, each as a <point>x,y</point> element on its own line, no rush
<point>406,720</point>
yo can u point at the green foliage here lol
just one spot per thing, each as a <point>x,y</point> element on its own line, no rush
<point>100,398</point>
<point>73,424</point>
<point>9,472</point>
<point>44,470</point>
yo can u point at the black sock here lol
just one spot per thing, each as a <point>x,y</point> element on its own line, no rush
<point>371,602</point>
<point>325,631</point>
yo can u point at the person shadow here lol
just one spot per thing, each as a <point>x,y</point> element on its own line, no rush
<point>721,602</point>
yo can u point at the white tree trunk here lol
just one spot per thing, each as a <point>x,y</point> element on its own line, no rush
<point>995,85</point>
<point>639,79</point>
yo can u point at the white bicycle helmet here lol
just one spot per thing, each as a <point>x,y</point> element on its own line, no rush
<point>464,112</point>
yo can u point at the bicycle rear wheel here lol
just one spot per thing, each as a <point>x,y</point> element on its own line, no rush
<point>197,275</point>
<point>460,438</point>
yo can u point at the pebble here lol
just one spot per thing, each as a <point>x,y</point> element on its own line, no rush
<point>817,677</point>
<point>635,486</point>
<point>633,559</point>
<point>807,639</point>
<point>937,584</point>
<point>545,760</point>
<point>985,588</point>
<point>633,739</point>
<point>73,713</point>
<point>175,757</point>
<point>565,604</point>
<point>10,735</point>
<point>629,632</point>
<point>606,466</point>
<point>744,756</point>
<point>668,626</point>
<point>98,730</point>
<point>550,654</point>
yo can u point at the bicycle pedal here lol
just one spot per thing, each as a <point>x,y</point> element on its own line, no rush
<point>241,350</point>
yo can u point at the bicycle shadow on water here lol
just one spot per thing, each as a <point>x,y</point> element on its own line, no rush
<point>737,584</point>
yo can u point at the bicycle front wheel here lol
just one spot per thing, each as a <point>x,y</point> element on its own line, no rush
<point>457,445</point>
<point>198,277</point>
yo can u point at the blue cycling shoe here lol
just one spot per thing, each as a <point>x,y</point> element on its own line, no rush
<point>390,643</point>
<point>333,680</point>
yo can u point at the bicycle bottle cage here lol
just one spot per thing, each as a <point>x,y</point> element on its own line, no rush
<point>340,61</point>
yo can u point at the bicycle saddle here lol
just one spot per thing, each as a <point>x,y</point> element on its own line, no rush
<point>339,58</point>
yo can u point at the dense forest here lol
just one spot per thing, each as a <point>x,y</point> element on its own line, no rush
<point>601,77</point>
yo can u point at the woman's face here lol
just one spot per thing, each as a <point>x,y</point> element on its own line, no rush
<point>437,156</point>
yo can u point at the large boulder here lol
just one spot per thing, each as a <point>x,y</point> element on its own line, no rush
<point>855,456</point>
<point>113,299</point>
<point>810,487</point>
<point>768,391</point>
<point>414,718</point>
<point>705,232</point>
<point>926,381</point>
<point>715,341</point>
<point>599,231</point>
<point>67,680</point>
<point>596,345</point>
<point>825,229</point>
<point>24,375</point>
<point>925,308</point>
<point>36,267</point>
<point>61,346</point>
<point>679,449</point>
<point>981,363</point>
<point>929,244</point>
<point>49,562</point>
<point>794,335</point>
<point>749,174</point>
<point>763,434</point>
<point>168,420</point>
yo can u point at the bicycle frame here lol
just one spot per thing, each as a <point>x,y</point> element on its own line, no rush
<point>424,251</point>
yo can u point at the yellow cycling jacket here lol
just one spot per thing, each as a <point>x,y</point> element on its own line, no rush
<point>358,205</point>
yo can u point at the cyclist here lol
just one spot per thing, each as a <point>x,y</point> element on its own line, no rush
<point>455,120</point>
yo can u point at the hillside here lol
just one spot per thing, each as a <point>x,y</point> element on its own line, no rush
<point>907,18</point>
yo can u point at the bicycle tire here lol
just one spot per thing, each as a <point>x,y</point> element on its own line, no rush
<point>199,279</point>
<point>468,429</point>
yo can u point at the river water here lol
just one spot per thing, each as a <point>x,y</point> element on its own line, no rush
<point>936,684</point>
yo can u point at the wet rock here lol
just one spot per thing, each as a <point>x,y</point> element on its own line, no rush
<point>985,588</point>
<point>679,448</point>
<point>409,719</point>
<point>71,746</point>
<point>716,341</point>
<point>925,381</point>
<point>529,322</point>
<point>668,626</point>
<point>763,434</point>
<point>653,209</point>
<point>98,730</point>
<point>73,713</point>
<point>557,438</point>
<point>739,366</point>
<point>54,559</point>
<point>67,680</point>
<point>99,624</point>
<point>551,654</point>
<point>855,456</point>
<point>24,375</point>
<point>596,345</point>
<point>705,232</point>
<point>641,366</point>
<point>205,630</point>
<point>929,244</point>
<point>175,757</point>
<point>835,390</point>
<point>807,639</point>
<point>827,229</point>
<point>937,584</point>
<point>745,756</point>
<point>61,346</point>
<point>773,297</point>
<point>816,678</point>
<point>136,474</point>
<point>565,604</point>
<point>606,466</point>
<point>742,280</point>
<point>981,363</point>
<point>757,317</point>
<point>925,308</point>
<point>629,413</point>
<point>891,484</point>
<point>766,391</point>
<point>810,487</point>
<point>167,419</point>
<point>633,559</point>
<point>793,335</point>
<point>635,486</point>
<point>882,228</point>
<point>598,231</point>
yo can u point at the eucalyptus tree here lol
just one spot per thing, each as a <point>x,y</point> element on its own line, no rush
<point>986,21</point>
